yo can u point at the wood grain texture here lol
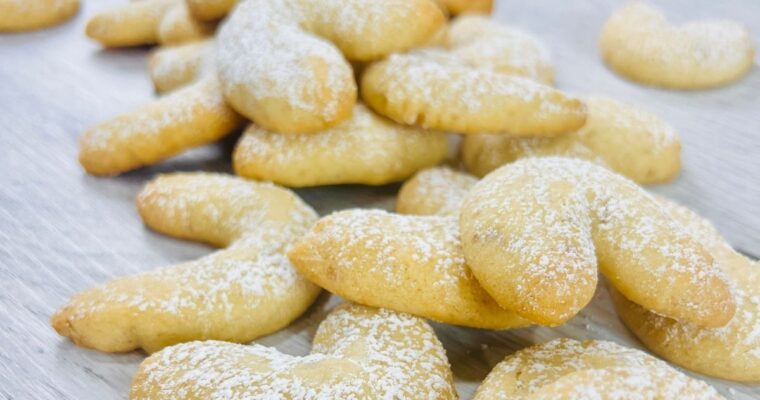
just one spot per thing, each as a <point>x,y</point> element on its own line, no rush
<point>62,231</point>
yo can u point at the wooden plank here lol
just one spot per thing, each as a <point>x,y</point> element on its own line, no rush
<point>62,231</point>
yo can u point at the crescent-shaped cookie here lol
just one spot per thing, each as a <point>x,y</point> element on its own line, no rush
<point>283,63</point>
<point>27,15</point>
<point>405,263</point>
<point>639,43</point>
<point>146,22</point>
<point>186,118</point>
<point>592,369</point>
<point>358,353</point>
<point>236,294</point>
<point>730,352</point>
<point>434,191</point>
<point>630,141</point>
<point>534,233</point>
<point>366,149</point>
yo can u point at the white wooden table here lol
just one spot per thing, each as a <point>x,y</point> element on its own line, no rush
<point>62,231</point>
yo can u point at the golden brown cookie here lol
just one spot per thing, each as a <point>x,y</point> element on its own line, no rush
<point>434,191</point>
<point>27,15</point>
<point>237,294</point>
<point>630,141</point>
<point>283,64</point>
<point>186,118</point>
<point>358,353</point>
<point>639,43</point>
<point>592,369</point>
<point>535,232</point>
<point>730,352</point>
<point>171,67</point>
<point>366,149</point>
<point>405,263</point>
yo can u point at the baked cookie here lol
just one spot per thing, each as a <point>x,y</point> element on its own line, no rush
<point>405,263</point>
<point>456,7</point>
<point>147,22</point>
<point>186,118</point>
<point>639,43</point>
<point>237,294</point>
<point>358,353</point>
<point>592,369</point>
<point>534,233</point>
<point>630,141</point>
<point>366,149</point>
<point>283,64</point>
<point>730,352</point>
<point>434,191</point>
<point>476,82</point>
<point>27,15</point>
<point>171,67</point>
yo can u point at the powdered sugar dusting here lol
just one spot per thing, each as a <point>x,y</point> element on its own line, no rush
<point>586,368</point>
<point>358,353</point>
<point>435,191</point>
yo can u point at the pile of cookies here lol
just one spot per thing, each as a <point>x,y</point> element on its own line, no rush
<point>366,92</point>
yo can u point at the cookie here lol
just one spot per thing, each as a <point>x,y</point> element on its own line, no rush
<point>284,64</point>
<point>639,43</point>
<point>366,149</point>
<point>171,67</point>
<point>730,352</point>
<point>246,290</point>
<point>358,353</point>
<point>405,263</point>
<point>569,369</point>
<point>190,117</point>
<point>434,191</point>
<point>624,138</point>
<point>27,15</point>
<point>535,232</point>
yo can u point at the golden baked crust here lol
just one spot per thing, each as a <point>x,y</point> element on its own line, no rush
<point>366,149</point>
<point>434,191</point>
<point>569,369</point>
<point>405,263</point>
<point>730,352</point>
<point>630,141</point>
<point>534,233</point>
<point>187,118</point>
<point>27,15</point>
<point>236,294</point>
<point>639,43</point>
<point>171,67</point>
<point>283,64</point>
<point>358,353</point>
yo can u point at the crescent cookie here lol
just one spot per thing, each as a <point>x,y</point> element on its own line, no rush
<point>534,233</point>
<point>405,263</point>
<point>472,85</point>
<point>366,149</point>
<point>244,291</point>
<point>171,67</point>
<point>147,22</point>
<point>27,15</point>
<point>190,117</point>
<point>639,43</point>
<point>358,353</point>
<point>434,191</point>
<point>283,63</point>
<point>592,369</point>
<point>630,141</point>
<point>730,352</point>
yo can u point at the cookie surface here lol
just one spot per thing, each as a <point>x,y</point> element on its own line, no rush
<point>630,141</point>
<point>366,149</point>
<point>535,231</point>
<point>406,263</point>
<point>236,294</point>
<point>569,369</point>
<point>639,43</point>
<point>730,352</point>
<point>434,191</point>
<point>27,15</point>
<point>358,353</point>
